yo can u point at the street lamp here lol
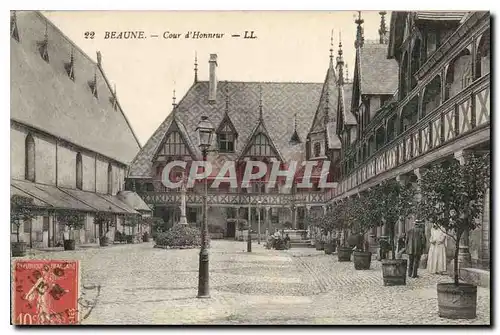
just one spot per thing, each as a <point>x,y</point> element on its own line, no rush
<point>258,226</point>
<point>205,132</point>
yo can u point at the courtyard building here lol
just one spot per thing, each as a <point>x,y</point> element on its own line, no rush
<point>71,142</point>
<point>419,95</point>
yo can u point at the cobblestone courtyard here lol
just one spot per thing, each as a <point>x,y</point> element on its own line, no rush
<point>138,284</point>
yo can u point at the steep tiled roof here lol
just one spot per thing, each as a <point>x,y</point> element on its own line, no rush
<point>280,102</point>
<point>378,75</point>
<point>330,87</point>
<point>345,104</point>
<point>44,97</point>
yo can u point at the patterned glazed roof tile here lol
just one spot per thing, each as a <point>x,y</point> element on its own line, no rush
<point>280,102</point>
<point>378,74</point>
<point>44,97</point>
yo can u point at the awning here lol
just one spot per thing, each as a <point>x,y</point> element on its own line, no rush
<point>37,202</point>
<point>98,202</point>
<point>50,195</point>
<point>133,200</point>
<point>118,203</point>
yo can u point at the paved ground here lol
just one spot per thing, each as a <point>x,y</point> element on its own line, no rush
<point>138,284</point>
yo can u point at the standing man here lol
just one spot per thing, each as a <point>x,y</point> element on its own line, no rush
<point>415,247</point>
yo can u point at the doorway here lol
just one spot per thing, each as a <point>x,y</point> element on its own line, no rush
<point>231,229</point>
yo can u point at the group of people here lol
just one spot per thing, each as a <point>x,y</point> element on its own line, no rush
<point>414,245</point>
<point>278,241</point>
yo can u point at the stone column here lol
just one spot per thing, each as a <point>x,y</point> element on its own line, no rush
<point>464,256</point>
<point>294,217</point>
<point>306,218</point>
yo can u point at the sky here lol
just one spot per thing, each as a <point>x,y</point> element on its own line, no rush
<point>290,46</point>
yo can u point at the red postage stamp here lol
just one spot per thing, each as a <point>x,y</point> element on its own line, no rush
<point>45,292</point>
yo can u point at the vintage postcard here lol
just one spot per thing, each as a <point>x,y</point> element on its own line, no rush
<point>250,167</point>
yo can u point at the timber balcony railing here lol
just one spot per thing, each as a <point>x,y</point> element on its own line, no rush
<point>236,199</point>
<point>463,114</point>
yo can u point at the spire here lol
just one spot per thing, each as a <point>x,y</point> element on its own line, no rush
<point>327,105</point>
<point>173,98</point>
<point>260,103</point>
<point>359,32</point>
<point>346,80</point>
<point>295,139</point>
<point>384,39</point>
<point>331,49</point>
<point>340,61</point>
<point>227,98</point>
<point>195,67</point>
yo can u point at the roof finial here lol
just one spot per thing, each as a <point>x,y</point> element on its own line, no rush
<point>340,61</point>
<point>99,58</point>
<point>260,102</point>
<point>327,106</point>
<point>195,67</point>
<point>331,48</point>
<point>359,32</point>
<point>227,97</point>
<point>383,29</point>
<point>46,35</point>
<point>173,97</point>
<point>295,139</point>
<point>115,98</point>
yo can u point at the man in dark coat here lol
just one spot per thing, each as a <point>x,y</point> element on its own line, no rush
<point>415,247</point>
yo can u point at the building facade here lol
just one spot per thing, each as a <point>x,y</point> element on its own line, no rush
<point>70,140</point>
<point>420,94</point>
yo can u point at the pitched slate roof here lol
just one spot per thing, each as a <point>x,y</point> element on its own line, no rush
<point>330,91</point>
<point>378,75</point>
<point>280,102</point>
<point>44,97</point>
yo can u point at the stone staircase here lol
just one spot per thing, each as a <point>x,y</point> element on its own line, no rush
<point>298,239</point>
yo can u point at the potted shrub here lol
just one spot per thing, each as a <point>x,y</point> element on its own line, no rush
<point>396,201</point>
<point>179,237</point>
<point>343,219</point>
<point>452,199</point>
<point>156,225</point>
<point>72,220</point>
<point>105,221</point>
<point>131,221</point>
<point>328,224</point>
<point>365,217</point>
<point>21,209</point>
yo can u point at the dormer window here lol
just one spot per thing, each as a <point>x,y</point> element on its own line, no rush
<point>226,138</point>
<point>14,32</point>
<point>317,149</point>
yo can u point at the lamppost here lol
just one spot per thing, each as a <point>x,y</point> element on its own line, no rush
<point>205,132</point>
<point>258,226</point>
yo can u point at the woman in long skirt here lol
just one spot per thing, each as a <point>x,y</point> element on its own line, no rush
<point>436,262</point>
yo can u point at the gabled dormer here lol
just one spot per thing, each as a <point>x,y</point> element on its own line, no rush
<point>174,144</point>
<point>226,132</point>
<point>260,144</point>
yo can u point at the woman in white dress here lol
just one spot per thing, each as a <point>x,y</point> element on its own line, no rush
<point>436,262</point>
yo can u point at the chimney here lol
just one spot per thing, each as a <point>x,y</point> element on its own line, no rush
<point>212,84</point>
